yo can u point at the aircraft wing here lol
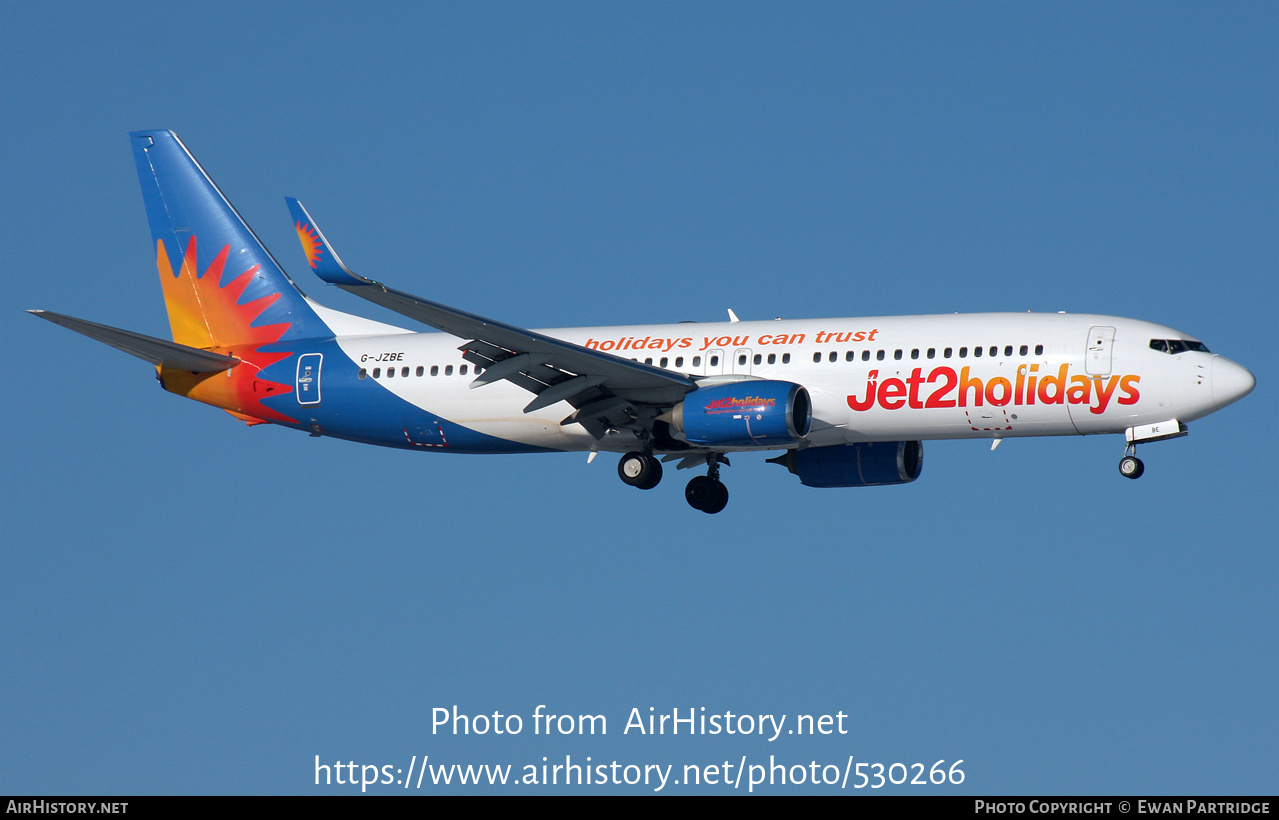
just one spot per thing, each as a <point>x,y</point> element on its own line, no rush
<point>158,352</point>
<point>606,390</point>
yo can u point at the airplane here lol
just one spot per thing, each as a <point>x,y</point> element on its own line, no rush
<point>848,402</point>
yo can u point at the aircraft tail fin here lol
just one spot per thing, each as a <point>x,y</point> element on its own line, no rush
<point>222,287</point>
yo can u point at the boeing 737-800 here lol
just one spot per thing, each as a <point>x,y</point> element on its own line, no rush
<point>848,402</point>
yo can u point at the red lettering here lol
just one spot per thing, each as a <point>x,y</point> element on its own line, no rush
<point>915,380</point>
<point>865,403</point>
<point>966,384</point>
<point>1126,386</point>
<point>892,394</point>
<point>1058,382</point>
<point>935,400</point>
<point>1005,391</point>
<point>1103,393</point>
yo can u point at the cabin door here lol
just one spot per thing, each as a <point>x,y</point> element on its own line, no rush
<point>1100,342</point>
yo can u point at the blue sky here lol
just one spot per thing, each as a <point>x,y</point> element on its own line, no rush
<point>192,606</point>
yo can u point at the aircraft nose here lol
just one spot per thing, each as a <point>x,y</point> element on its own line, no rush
<point>1230,382</point>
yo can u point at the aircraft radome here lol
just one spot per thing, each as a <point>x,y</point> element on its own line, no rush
<point>847,401</point>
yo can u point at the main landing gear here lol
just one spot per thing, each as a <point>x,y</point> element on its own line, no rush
<point>706,492</point>
<point>640,470</point>
<point>1130,466</point>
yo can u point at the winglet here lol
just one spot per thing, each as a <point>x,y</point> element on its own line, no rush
<point>319,253</point>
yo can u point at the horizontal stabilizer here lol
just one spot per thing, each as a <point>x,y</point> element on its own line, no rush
<point>158,352</point>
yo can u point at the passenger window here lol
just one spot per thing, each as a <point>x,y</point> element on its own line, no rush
<point>462,370</point>
<point>662,362</point>
<point>435,370</point>
<point>1024,350</point>
<point>785,358</point>
<point>879,355</point>
<point>932,352</point>
<point>390,372</point>
<point>714,361</point>
<point>697,361</point>
<point>865,355</point>
<point>914,354</point>
<point>994,351</point>
<point>1008,351</point>
<point>741,360</point>
<point>963,353</point>
<point>679,361</point>
<point>946,353</point>
<point>377,372</point>
<point>1039,350</point>
<point>849,356</point>
<point>649,360</point>
<point>759,359</point>
<point>817,357</point>
<point>897,354</point>
<point>364,374</point>
<point>404,371</point>
<point>421,370</point>
<point>772,358</point>
<point>976,352</point>
<point>448,370</point>
<point>833,356</point>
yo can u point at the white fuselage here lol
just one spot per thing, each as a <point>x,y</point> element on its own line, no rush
<point>896,378</point>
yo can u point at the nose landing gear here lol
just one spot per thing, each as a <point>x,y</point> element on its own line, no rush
<point>1130,466</point>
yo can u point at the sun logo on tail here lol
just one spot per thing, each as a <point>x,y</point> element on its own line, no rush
<point>207,313</point>
<point>311,244</point>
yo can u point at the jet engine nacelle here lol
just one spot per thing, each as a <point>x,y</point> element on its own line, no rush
<point>856,465</point>
<point>743,414</point>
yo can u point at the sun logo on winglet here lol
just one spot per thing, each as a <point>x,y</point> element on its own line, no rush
<point>311,244</point>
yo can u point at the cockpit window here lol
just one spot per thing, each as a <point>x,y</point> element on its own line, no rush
<point>1175,346</point>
